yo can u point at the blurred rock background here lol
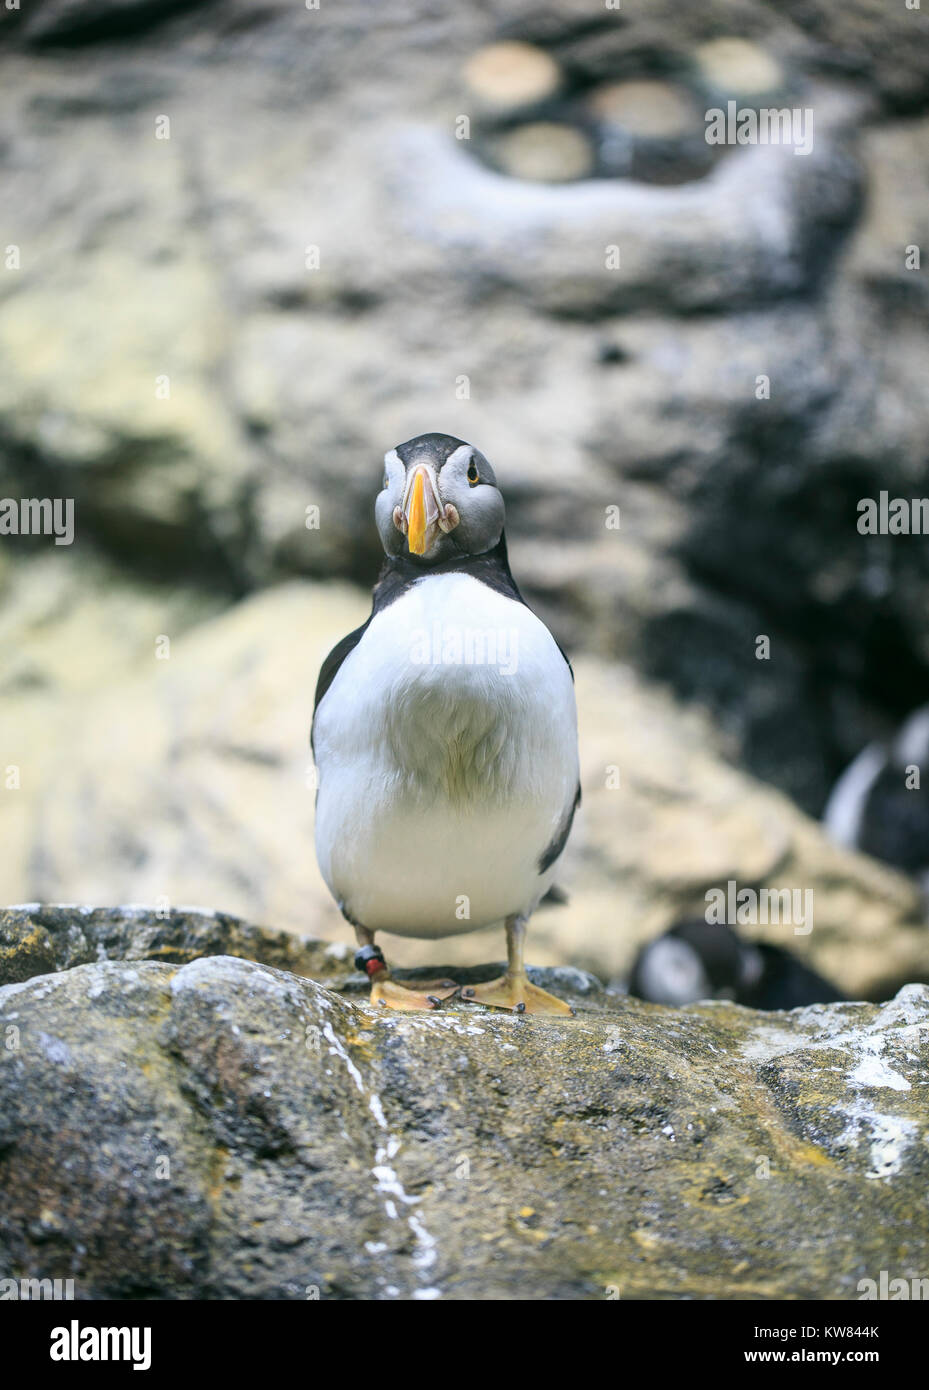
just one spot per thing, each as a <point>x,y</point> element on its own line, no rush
<point>372,221</point>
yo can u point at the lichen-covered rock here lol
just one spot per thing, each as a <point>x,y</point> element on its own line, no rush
<point>38,938</point>
<point>228,1129</point>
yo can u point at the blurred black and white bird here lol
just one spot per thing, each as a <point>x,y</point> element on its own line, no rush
<point>445,734</point>
<point>879,805</point>
<point>696,959</point>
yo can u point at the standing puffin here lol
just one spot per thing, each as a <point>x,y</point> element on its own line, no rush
<point>444,734</point>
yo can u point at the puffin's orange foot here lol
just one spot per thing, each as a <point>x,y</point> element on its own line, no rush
<point>428,994</point>
<point>516,993</point>
<point>386,992</point>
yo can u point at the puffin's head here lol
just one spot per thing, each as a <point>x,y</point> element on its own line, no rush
<point>440,498</point>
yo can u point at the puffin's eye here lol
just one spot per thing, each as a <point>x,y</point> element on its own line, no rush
<point>473,475</point>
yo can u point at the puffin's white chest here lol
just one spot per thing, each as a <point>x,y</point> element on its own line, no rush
<point>447,756</point>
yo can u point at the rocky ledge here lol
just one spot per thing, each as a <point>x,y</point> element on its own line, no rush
<point>191,1107</point>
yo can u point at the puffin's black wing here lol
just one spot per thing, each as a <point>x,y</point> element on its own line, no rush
<point>550,854</point>
<point>330,667</point>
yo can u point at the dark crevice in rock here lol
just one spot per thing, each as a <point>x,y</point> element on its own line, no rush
<point>63,24</point>
<point>766,533</point>
<point>145,546</point>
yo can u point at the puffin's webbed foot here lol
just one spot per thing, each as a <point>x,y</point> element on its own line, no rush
<point>388,993</point>
<point>515,992</point>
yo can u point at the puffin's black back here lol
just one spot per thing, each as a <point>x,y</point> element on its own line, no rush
<point>786,983</point>
<point>895,821</point>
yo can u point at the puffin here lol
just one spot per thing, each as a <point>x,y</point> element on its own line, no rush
<point>877,805</point>
<point>444,735</point>
<point>695,959</point>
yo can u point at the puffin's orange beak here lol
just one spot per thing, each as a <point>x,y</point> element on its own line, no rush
<point>416,534</point>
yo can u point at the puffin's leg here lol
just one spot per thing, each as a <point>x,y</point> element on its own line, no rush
<point>387,992</point>
<point>513,990</point>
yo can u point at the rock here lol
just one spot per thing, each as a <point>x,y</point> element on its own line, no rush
<point>866,41</point>
<point>65,22</point>
<point>650,131</point>
<point>655,109</point>
<point>67,629</point>
<point>189,780</point>
<point>738,68</point>
<point>40,938</point>
<point>897,217</point>
<point>544,152</point>
<point>507,76</point>
<point>226,1129</point>
<point>538,241</point>
<point>682,821</point>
